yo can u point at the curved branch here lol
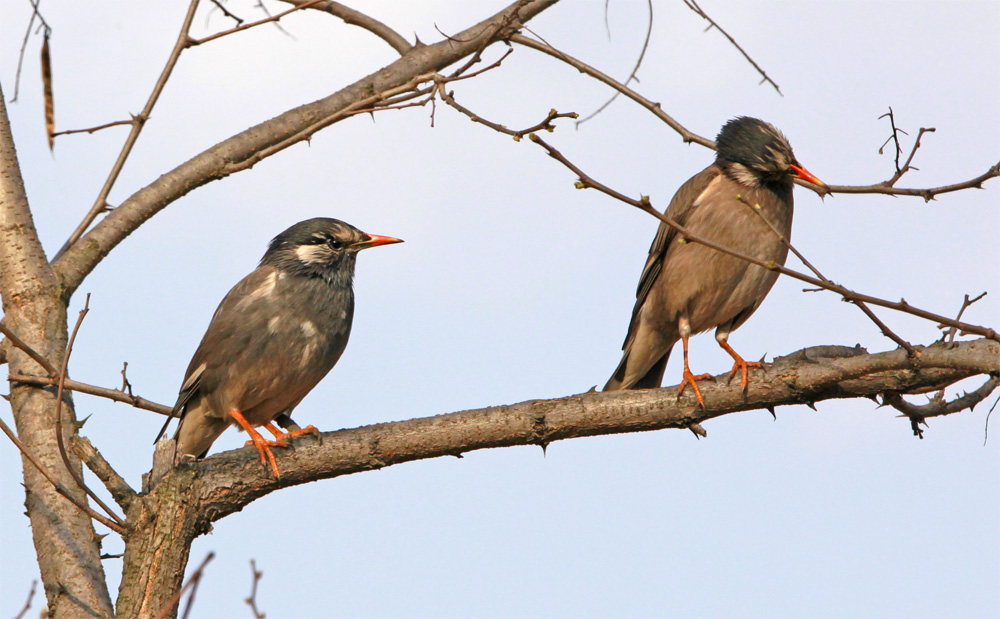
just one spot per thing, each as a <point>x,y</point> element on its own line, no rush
<point>357,18</point>
<point>294,126</point>
<point>227,482</point>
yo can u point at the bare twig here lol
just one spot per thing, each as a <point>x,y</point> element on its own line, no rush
<point>240,28</point>
<point>114,526</point>
<point>860,304</point>
<point>927,194</point>
<point>949,336</point>
<point>97,128</point>
<point>691,4</point>
<point>938,406</point>
<point>59,433</point>
<point>645,205</point>
<point>35,13</point>
<point>31,352</point>
<point>140,120</point>
<point>635,69</point>
<point>103,392</point>
<point>586,69</point>
<point>906,167</point>
<point>218,4</point>
<point>894,138</point>
<point>545,125</point>
<point>192,584</point>
<point>252,600</point>
<point>27,604</point>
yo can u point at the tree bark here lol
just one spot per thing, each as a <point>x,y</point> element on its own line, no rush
<point>65,543</point>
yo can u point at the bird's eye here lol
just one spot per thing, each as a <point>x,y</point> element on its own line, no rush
<point>334,243</point>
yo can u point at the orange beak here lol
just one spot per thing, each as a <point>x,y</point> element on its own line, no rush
<point>374,240</point>
<point>809,177</point>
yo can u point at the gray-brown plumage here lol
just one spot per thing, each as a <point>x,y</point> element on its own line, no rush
<point>275,335</point>
<point>687,288</point>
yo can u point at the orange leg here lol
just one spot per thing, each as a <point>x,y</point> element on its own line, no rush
<point>690,378</point>
<point>739,364</point>
<point>263,445</point>
<point>280,435</point>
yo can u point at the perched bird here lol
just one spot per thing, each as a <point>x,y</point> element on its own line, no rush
<point>273,338</point>
<point>687,287</point>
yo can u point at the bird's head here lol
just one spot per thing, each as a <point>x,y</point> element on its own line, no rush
<point>321,247</point>
<point>755,153</point>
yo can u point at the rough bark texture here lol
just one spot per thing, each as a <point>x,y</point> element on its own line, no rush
<point>67,550</point>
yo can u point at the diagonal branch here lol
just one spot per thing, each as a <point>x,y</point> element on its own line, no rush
<point>138,122</point>
<point>294,126</point>
<point>691,4</point>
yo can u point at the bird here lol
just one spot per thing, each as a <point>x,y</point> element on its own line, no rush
<point>686,287</point>
<point>274,336</point>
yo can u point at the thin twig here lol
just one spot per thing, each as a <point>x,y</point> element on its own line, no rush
<point>273,18</point>
<point>59,434</point>
<point>24,44</point>
<point>691,4</point>
<point>226,12</point>
<point>586,69</point>
<point>31,352</point>
<point>545,125</point>
<point>192,582</point>
<point>635,69</point>
<point>101,202</point>
<point>893,138</point>
<point>864,308</point>
<point>252,600</point>
<point>952,331</point>
<point>355,18</point>
<point>906,167</point>
<point>938,406</point>
<point>687,136</point>
<point>27,604</point>
<point>114,526</point>
<point>94,129</point>
<point>103,392</point>
<point>644,204</point>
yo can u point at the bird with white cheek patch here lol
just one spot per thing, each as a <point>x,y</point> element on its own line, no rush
<point>275,335</point>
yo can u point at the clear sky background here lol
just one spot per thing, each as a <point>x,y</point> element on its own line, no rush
<point>512,285</point>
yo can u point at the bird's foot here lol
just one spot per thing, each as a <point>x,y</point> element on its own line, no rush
<point>691,379</point>
<point>262,444</point>
<point>741,366</point>
<point>284,436</point>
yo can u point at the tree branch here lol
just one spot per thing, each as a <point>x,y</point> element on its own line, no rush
<point>100,204</point>
<point>227,482</point>
<point>296,125</point>
<point>356,18</point>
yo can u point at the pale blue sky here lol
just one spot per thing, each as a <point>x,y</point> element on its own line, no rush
<point>512,285</point>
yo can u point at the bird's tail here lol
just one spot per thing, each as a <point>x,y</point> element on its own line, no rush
<point>651,379</point>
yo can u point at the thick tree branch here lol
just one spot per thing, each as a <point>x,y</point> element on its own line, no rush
<point>229,481</point>
<point>296,125</point>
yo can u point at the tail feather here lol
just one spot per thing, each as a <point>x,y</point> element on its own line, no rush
<point>652,379</point>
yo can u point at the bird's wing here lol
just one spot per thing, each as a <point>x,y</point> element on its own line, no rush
<point>226,319</point>
<point>679,209</point>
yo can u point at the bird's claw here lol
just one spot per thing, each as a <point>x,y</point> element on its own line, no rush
<point>691,379</point>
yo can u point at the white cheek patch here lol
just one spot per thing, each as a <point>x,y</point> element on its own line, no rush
<point>312,254</point>
<point>744,175</point>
